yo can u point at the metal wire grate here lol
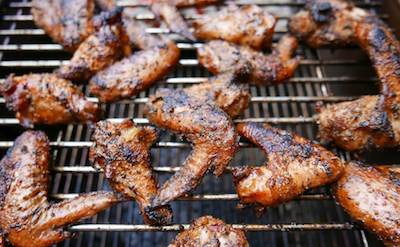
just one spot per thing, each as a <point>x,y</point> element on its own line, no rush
<point>312,220</point>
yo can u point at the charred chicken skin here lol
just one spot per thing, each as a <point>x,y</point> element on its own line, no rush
<point>99,50</point>
<point>220,56</point>
<point>248,25</point>
<point>136,73</point>
<point>371,195</point>
<point>26,216</point>
<point>47,99</point>
<point>334,22</point>
<point>293,166</point>
<point>198,113</point>
<point>211,232</point>
<point>67,22</point>
<point>122,150</point>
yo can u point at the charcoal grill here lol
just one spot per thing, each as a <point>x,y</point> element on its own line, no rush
<point>325,75</point>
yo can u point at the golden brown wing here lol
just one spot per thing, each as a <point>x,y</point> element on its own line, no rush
<point>293,166</point>
<point>202,123</point>
<point>122,150</point>
<point>47,99</point>
<point>248,25</point>
<point>371,195</point>
<point>220,56</point>
<point>26,215</point>
<point>67,22</point>
<point>212,232</point>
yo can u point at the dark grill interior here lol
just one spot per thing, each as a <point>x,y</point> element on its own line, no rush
<point>324,76</point>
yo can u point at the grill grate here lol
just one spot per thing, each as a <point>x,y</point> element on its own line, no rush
<point>324,76</point>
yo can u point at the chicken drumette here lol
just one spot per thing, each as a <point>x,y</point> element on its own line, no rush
<point>122,151</point>
<point>293,166</point>
<point>26,216</point>
<point>67,22</point>
<point>133,74</point>
<point>99,50</point>
<point>376,119</point>
<point>198,113</point>
<point>47,99</point>
<point>248,25</point>
<point>371,195</point>
<point>211,232</point>
<point>220,56</point>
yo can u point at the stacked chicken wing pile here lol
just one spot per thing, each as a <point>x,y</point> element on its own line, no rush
<point>118,59</point>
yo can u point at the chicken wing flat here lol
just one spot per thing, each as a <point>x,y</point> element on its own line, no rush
<point>122,151</point>
<point>136,73</point>
<point>220,56</point>
<point>26,217</point>
<point>357,125</point>
<point>47,99</point>
<point>211,232</point>
<point>67,22</point>
<point>173,18</point>
<point>202,122</point>
<point>293,166</point>
<point>248,25</point>
<point>99,50</point>
<point>371,195</point>
<point>375,37</point>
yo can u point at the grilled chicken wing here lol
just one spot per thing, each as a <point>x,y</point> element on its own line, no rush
<point>67,22</point>
<point>174,20</point>
<point>99,50</point>
<point>293,165</point>
<point>371,195</point>
<point>211,232</point>
<point>134,74</point>
<point>378,121</point>
<point>248,25</point>
<point>122,151</point>
<point>205,125</point>
<point>47,99</point>
<point>188,3</point>
<point>26,217</point>
<point>220,56</point>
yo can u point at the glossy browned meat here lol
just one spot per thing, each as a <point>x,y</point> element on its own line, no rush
<point>47,99</point>
<point>248,25</point>
<point>173,19</point>
<point>371,195</point>
<point>202,123</point>
<point>98,51</point>
<point>26,216</point>
<point>357,125</point>
<point>378,121</point>
<point>122,150</point>
<point>293,166</point>
<point>220,56</point>
<point>67,22</point>
<point>211,232</point>
<point>136,73</point>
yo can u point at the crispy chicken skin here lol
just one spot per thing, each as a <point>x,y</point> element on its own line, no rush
<point>26,216</point>
<point>173,19</point>
<point>371,195</point>
<point>248,25</point>
<point>357,125</point>
<point>47,99</point>
<point>211,232</point>
<point>136,73</point>
<point>293,166</point>
<point>220,56</point>
<point>99,50</point>
<point>195,114</point>
<point>67,22</point>
<point>377,40</point>
<point>122,150</point>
